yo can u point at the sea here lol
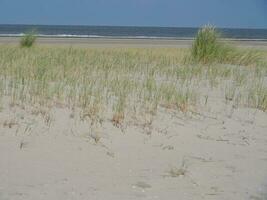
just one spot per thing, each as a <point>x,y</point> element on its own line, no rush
<point>127,32</point>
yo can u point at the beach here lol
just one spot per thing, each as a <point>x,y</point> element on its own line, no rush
<point>130,119</point>
<point>126,43</point>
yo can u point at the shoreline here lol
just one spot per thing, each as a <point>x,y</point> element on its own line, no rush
<point>129,42</point>
<point>66,36</point>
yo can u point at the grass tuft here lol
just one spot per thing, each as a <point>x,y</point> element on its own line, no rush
<point>28,40</point>
<point>208,48</point>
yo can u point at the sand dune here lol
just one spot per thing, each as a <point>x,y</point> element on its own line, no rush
<point>215,151</point>
<point>210,156</point>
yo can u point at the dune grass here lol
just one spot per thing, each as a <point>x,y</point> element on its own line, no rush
<point>208,48</point>
<point>94,80</point>
<point>118,83</point>
<point>28,39</point>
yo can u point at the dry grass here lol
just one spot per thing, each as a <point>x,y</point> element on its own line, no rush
<point>117,83</point>
<point>181,171</point>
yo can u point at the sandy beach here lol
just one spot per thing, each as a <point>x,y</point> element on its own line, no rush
<point>128,43</point>
<point>212,157</point>
<point>215,151</point>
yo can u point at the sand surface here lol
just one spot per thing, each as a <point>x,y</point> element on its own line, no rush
<point>54,156</point>
<point>126,43</point>
<point>217,154</point>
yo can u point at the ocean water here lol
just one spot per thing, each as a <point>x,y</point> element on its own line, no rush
<point>126,32</point>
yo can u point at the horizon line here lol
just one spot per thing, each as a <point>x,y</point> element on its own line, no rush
<point>139,26</point>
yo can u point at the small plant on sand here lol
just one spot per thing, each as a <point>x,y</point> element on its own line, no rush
<point>9,123</point>
<point>119,111</point>
<point>181,171</point>
<point>28,39</point>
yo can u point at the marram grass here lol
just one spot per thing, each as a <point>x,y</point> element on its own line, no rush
<point>28,40</point>
<point>208,47</point>
<point>121,81</point>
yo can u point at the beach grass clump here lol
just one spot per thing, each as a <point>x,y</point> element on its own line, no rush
<point>28,40</point>
<point>208,47</point>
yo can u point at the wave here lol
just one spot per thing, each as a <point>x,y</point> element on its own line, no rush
<point>119,37</point>
<point>93,36</point>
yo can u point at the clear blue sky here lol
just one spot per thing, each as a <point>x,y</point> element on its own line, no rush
<point>180,13</point>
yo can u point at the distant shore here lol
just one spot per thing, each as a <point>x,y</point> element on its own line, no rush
<point>126,42</point>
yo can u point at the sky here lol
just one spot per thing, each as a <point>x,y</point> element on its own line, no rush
<point>166,13</point>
